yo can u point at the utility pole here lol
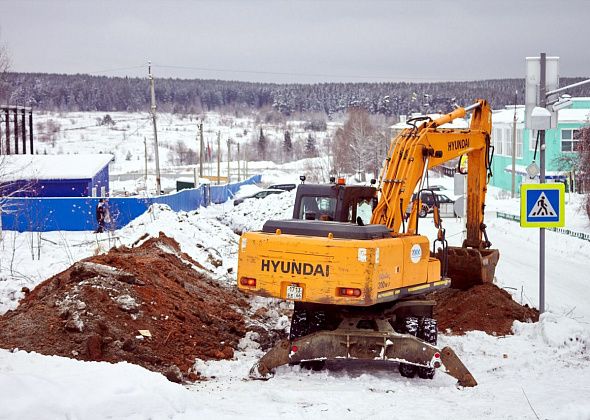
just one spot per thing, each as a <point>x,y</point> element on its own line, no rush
<point>514,148</point>
<point>239,178</point>
<point>543,104</point>
<point>218,157</point>
<point>145,154</point>
<point>201,143</point>
<point>157,156</point>
<point>228,158</point>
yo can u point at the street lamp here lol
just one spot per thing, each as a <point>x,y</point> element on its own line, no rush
<point>541,119</point>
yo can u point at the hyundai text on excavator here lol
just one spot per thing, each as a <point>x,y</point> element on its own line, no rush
<point>357,269</point>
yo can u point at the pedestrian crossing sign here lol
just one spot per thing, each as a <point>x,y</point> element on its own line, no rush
<point>542,205</point>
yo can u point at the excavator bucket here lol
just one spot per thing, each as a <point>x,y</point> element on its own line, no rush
<point>468,267</point>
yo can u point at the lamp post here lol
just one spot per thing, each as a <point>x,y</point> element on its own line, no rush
<point>542,119</point>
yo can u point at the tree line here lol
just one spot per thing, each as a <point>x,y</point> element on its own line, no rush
<point>80,92</point>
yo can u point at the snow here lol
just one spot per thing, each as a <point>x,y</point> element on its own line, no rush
<point>573,115</point>
<point>79,166</point>
<point>457,123</point>
<point>521,170</point>
<point>542,371</point>
<point>50,387</point>
<point>506,116</point>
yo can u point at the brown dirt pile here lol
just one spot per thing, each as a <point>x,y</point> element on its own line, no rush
<point>485,307</point>
<point>95,310</point>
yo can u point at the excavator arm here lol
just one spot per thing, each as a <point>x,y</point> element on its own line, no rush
<point>417,149</point>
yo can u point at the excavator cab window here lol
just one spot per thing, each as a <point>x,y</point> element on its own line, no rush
<point>317,208</point>
<point>364,210</point>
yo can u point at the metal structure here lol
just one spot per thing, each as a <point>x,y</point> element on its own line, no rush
<point>13,131</point>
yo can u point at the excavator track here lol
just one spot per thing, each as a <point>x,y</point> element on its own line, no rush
<point>348,341</point>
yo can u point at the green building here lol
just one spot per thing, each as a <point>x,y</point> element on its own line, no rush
<point>560,142</point>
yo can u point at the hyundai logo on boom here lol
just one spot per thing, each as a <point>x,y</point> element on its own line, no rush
<point>292,267</point>
<point>458,144</point>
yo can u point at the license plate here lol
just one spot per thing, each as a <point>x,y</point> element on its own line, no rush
<point>294,292</point>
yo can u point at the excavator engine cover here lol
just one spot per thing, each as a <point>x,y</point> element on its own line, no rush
<point>469,266</point>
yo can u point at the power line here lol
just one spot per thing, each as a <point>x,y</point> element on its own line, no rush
<point>276,73</point>
<point>391,78</point>
<point>116,69</point>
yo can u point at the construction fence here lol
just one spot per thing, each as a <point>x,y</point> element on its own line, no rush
<point>30,214</point>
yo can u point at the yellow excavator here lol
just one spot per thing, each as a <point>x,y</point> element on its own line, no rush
<point>352,261</point>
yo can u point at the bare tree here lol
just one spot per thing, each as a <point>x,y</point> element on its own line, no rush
<point>584,165</point>
<point>4,67</point>
<point>354,144</point>
<point>4,59</point>
<point>11,187</point>
<point>182,154</point>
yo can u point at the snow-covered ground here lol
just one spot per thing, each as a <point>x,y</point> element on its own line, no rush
<point>542,371</point>
<point>129,138</point>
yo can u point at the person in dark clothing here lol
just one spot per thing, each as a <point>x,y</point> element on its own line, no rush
<point>101,214</point>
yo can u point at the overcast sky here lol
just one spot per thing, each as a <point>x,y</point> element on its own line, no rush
<point>296,41</point>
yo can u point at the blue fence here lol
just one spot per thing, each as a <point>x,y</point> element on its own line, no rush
<point>64,213</point>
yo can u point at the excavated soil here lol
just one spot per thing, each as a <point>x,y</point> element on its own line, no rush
<point>484,307</point>
<point>146,305</point>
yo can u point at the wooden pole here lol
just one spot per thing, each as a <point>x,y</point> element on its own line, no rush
<point>228,158</point>
<point>218,157</point>
<point>157,156</point>
<point>239,177</point>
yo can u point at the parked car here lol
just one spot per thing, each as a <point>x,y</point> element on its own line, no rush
<point>259,194</point>
<point>284,187</point>
<point>437,188</point>
<point>427,200</point>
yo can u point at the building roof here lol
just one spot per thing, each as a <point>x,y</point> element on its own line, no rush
<point>567,115</point>
<point>27,167</point>
<point>506,115</point>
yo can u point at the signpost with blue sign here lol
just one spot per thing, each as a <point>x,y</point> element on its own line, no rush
<point>542,205</point>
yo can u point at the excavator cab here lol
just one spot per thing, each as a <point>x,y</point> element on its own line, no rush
<point>335,202</point>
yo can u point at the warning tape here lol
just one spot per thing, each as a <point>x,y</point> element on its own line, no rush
<point>572,233</point>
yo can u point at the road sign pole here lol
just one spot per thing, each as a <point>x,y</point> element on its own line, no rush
<point>542,104</point>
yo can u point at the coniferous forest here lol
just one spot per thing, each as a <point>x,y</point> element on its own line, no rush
<point>61,92</point>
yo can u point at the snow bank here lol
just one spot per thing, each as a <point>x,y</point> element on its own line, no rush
<point>33,386</point>
<point>199,234</point>
<point>251,214</point>
<point>566,335</point>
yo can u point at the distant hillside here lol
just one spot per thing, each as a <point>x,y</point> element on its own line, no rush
<point>60,92</point>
